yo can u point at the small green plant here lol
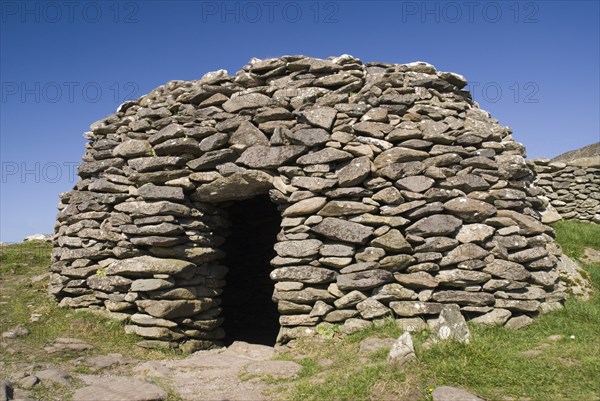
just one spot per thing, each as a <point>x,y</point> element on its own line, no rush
<point>101,272</point>
<point>426,392</point>
<point>328,330</point>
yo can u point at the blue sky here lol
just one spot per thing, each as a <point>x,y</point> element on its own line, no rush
<point>65,64</point>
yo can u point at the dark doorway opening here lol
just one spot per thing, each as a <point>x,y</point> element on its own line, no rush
<point>250,314</point>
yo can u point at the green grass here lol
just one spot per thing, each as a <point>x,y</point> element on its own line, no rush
<point>574,236</point>
<point>22,257</point>
<point>492,366</point>
<point>348,384</point>
<point>55,391</point>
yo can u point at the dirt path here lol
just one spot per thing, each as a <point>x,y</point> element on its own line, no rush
<point>228,374</point>
<point>215,375</point>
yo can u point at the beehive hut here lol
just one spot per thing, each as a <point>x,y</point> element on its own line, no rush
<point>302,192</point>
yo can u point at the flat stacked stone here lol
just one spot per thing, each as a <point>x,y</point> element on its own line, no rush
<point>571,188</point>
<point>397,194</point>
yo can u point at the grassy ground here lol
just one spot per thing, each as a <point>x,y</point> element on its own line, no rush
<point>23,292</point>
<point>493,366</point>
<point>24,258</point>
<point>575,236</point>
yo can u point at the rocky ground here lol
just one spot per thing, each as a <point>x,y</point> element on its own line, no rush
<point>206,375</point>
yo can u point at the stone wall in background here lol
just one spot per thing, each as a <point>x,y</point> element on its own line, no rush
<point>397,195</point>
<point>571,188</point>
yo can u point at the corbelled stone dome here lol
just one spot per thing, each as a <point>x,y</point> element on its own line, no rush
<point>344,192</point>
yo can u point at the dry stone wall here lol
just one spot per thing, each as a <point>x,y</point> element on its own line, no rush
<point>572,190</point>
<point>397,195</point>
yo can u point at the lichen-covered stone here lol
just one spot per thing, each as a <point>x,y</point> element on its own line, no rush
<point>304,274</point>
<point>343,230</point>
<point>148,266</point>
